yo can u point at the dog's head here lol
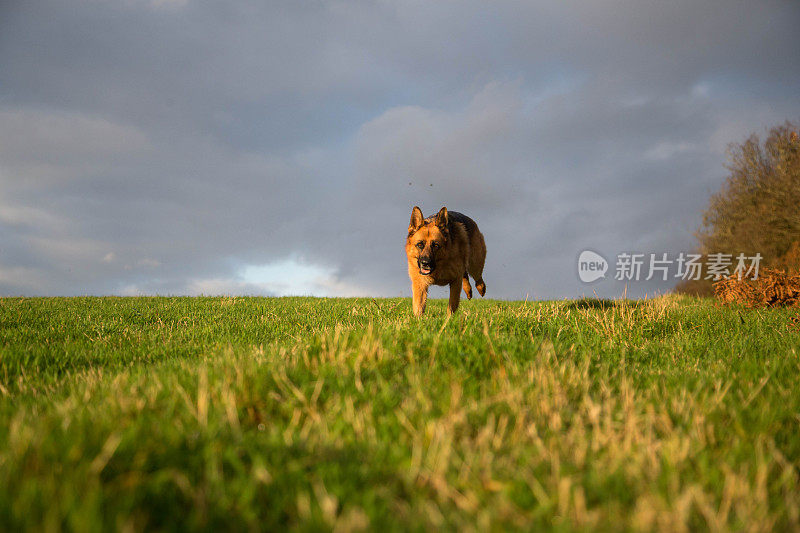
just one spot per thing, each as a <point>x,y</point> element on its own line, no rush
<point>428,239</point>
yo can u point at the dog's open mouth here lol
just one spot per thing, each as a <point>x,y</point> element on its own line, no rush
<point>425,269</point>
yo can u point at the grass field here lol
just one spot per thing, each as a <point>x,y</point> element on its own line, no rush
<point>260,413</point>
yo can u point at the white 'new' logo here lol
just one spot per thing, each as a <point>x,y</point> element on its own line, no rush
<point>591,266</point>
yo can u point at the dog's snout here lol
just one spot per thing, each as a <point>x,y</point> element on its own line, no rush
<point>425,261</point>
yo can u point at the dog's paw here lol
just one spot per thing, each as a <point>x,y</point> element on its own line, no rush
<point>481,286</point>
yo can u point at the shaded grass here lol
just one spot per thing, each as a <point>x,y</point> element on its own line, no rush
<point>258,413</point>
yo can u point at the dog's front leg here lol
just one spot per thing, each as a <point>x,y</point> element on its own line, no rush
<point>455,296</point>
<point>419,297</point>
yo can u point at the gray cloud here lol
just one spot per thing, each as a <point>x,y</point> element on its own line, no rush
<point>173,147</point>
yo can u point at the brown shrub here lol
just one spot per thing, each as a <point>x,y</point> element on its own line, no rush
<point>773,288</point>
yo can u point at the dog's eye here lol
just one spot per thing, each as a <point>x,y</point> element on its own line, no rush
<point>435,245</point>
<point>420,245</point>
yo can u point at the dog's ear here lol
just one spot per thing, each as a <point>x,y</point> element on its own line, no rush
<point>416,219</point>
<point>441,218</point>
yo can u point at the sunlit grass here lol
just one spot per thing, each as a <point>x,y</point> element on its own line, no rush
<point>234,413</point>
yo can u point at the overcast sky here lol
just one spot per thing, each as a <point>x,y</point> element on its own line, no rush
<point>251,147</point>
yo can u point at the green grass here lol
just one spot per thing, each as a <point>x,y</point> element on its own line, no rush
<point>257,413</point>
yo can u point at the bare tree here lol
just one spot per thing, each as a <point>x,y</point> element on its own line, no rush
<point>757,210</point>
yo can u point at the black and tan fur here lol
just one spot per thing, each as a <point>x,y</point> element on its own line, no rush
<point>444,249</point>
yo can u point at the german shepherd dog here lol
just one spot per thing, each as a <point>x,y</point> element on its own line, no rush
<point>444,249</point>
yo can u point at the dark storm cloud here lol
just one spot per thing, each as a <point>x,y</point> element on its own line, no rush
<point>167,146</point>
